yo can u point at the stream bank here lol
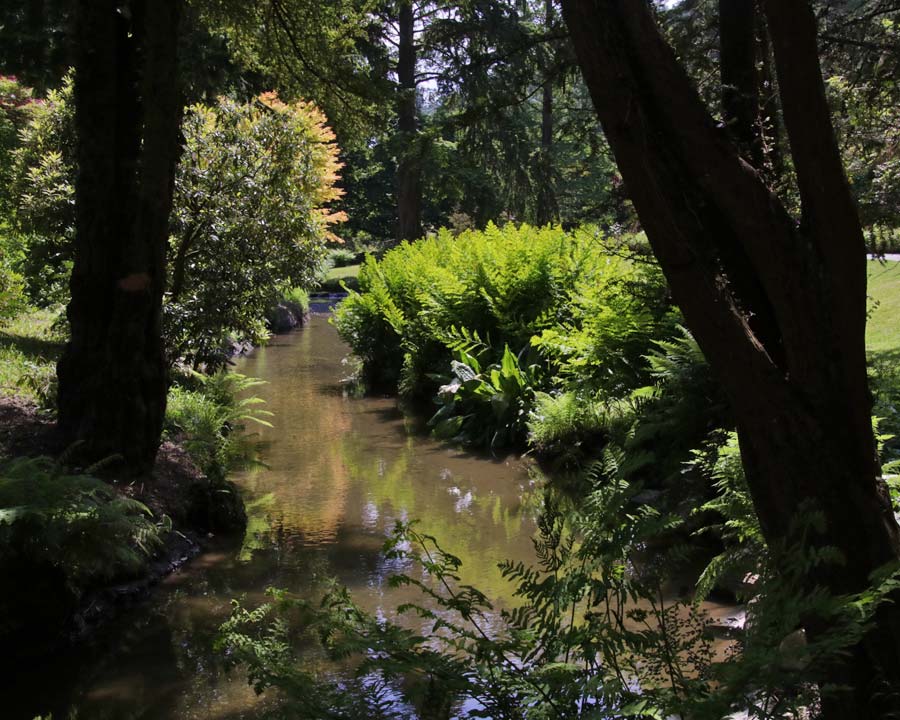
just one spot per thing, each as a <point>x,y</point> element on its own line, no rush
<point>336,472</point>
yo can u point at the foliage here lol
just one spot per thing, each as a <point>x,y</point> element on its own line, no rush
<point>341,257</point>
<point>43,196</point>
<point>595,633</point>
<point>29,347</point>
<point>739,531</point>
<point>207,414</point>
<point>250,214</point>
<point>488,407</point>
<point>12,296</point>
<point>884,380</point>
<point>571,423</point>
<point>77,524</point>
<point>582,315</point>
<point>16,107</point>
<point>249,217</point>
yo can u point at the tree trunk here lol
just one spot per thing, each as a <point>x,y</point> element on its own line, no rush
<point>547,208</point>
<point>409,170</point>
<point>777,306</point>
<point>112,376</point>
<point>740,78</point>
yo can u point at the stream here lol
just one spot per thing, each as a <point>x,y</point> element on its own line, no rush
<point>339,471</point>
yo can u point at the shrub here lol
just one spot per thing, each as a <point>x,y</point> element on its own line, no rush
<point>207,415</point>
<point>342,257</point>
<point>79,525</point>
<point>571,424</point>
<point>297,297</point>
<point>12,295</point>
<point>586,318</point>
<point>250,214</point>
<point>43,196</point>
<point>486,407</point>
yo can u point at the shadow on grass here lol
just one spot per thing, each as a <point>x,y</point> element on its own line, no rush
<point>884,357</point>
<point>33,348</point>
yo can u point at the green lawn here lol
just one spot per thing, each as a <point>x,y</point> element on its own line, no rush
<point>338,275</point>
<point>29,349</point>
<point>883,330</point>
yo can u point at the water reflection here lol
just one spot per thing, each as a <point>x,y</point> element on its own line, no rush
<point>340,472</point>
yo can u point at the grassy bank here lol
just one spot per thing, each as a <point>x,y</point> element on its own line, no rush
<point>337,277</point>
<point>29,349</point>
<point>883,329</point>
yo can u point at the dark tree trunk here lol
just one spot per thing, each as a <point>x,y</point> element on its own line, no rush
<point>112,376</point>
<point>740,78</point>
<point>547,208</point>
<point>409,170</point>
<point>777,306</point>
<point>749,104</point>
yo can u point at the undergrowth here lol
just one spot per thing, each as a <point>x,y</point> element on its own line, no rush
<point>206,414</point>
<point>78,523</point>
<point>596,634</point>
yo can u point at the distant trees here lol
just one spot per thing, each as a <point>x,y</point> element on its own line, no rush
<point>777,303</point>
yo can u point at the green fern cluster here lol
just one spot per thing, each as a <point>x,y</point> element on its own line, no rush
<point>205,411</point>
<point>77,524</point>
<point>577,314</point>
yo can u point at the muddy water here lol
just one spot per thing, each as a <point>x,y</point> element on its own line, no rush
<point>339,472</point>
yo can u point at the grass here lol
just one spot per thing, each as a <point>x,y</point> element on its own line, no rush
<point>29,349</point>
<point>883,329</point>
<point>334,277</point>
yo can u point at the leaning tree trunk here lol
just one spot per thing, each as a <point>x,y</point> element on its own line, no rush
<point>778,306</point>
<point>409,166</point>
<point>112,376</point>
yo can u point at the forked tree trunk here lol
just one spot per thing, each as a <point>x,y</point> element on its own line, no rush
<point>112,376</point>
<point>777,305</point>
<point>409,170</point>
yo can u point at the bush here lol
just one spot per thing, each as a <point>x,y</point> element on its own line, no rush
<point>265,171</point>
<point>585,318</point>
<point>250,214</point>
<point>206,415</point>
<point>43,196</point>
<point>12,292</point>
<point>342,257</point>
<point>298,297</point>
<point>76,523</point>
<point>570,425</point>
<point>486,407</point>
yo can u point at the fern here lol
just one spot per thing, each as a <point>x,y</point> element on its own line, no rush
<point>76,523</point>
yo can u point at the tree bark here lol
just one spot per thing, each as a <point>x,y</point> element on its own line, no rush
<point>409,170</point>
<point>740,79</point>
<point>777,306</point>
<point>547,208</point>
<point>112,375</point>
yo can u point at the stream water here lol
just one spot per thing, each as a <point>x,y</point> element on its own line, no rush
<point>340,471</point>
